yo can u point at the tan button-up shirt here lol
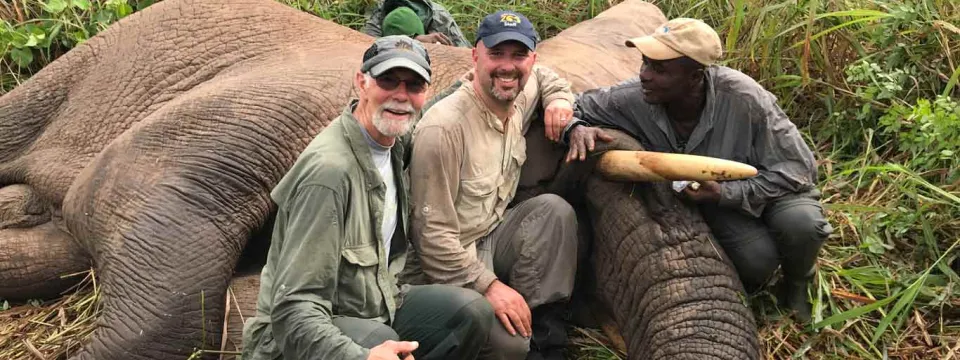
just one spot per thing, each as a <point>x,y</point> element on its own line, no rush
<point>464,170</point>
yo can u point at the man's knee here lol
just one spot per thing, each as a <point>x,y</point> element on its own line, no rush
<point>503,346</point>
<point>476,313</point>
<point>366,333</point>
<point>799,222</point>
<point>555,206</point>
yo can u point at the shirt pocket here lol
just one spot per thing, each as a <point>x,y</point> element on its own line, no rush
<point>477,196</point>
<point>358,293</point>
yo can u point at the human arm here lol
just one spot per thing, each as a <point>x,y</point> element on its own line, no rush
<point>374,19</point>
<point>556,97</point>
<point>435,229</point>
<point>784,162</point>
<point>444,23</point>
<point>615,107</point>
<point>306,277</point>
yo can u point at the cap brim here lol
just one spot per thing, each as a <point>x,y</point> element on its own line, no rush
<point>495,39</point>
<point>653,48</point>
<point>400,62</point>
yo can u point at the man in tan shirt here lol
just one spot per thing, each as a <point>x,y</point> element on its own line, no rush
<point>467,153</point>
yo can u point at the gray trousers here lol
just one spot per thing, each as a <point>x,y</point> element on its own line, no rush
<point>534,251</point>
<point>789,234</point>
<point>449,322</point>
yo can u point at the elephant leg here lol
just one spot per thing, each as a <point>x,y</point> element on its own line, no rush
<point>166,242</point>
<point>163,298</point>
<point>35,253</point>
<point>669,286</point>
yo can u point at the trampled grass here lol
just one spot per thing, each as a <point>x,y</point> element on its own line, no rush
<point>872,85</point>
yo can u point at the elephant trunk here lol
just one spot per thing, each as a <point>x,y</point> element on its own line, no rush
<point>668,285</point>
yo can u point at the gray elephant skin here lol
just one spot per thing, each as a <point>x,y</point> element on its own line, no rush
<point>149,151</point>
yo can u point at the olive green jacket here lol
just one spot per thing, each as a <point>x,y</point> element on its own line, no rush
<point>326,259</point>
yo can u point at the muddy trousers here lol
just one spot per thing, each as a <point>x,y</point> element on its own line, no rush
<point>789,234</point>
<point>534,251</point>
<point>449,322</point>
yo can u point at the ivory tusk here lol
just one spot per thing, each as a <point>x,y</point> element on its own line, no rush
<point>623,165</point>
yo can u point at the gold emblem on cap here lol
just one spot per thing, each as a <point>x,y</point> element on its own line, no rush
<point>403,45</point>
<point>509,19</point>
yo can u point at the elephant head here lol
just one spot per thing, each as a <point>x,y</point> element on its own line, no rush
<point>150,150</point>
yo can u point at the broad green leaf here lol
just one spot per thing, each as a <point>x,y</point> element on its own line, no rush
<point>22,57</point>
<point>123,10</point>
<point>53,35</point>
<point>19,39</point>
<point>81,4</point>
<point>35,30</point>
<point>32,41</point>
<point>55,6</point>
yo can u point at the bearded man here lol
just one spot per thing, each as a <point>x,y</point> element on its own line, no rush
<point>329,289</point>
<point>467,153</point>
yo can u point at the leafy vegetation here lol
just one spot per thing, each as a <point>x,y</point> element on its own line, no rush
<point>871,83</point>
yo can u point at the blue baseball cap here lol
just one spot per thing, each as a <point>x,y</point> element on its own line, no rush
<point>507,25</point>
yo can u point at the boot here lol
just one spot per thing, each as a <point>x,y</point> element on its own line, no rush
<point>549,333</point>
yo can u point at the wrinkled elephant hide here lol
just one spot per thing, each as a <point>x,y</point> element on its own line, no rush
<point>150,150</point>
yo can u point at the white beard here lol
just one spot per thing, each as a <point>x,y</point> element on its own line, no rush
<point>393,128</point>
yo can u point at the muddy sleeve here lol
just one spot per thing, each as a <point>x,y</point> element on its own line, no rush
<point>374,18</point>
<point>786,164</point>
<point>306,279</point>
<point>435,229</point>
<point>443,22</point>
<point>552,86</point>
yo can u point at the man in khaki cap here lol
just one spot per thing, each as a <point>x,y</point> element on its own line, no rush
<point>692,105</point>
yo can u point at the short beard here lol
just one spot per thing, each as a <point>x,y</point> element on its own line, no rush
<point>394,128</point>
<point>504,96</point>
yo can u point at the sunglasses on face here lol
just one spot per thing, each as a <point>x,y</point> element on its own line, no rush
<point>390,83</point>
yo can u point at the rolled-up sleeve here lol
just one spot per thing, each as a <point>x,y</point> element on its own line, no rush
<point>435,229</point>
<point>785,163</point>
<point>306,278</point>
<point>552,86</point>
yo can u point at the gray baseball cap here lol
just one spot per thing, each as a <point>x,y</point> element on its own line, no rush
<point>394,51</point>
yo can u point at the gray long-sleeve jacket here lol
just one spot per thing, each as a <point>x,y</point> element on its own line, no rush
<point>741,121</point>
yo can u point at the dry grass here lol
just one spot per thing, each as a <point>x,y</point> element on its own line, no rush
<point>51,330</point>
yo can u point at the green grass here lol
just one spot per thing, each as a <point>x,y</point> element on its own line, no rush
<point>871,83</point>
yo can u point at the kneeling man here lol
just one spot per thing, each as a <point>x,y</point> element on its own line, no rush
<point>329,288</point>
<point>465,166</point>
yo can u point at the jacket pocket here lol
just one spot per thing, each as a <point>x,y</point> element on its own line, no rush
<point>358,293</point>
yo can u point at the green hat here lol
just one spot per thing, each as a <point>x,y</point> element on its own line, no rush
<point>402,21</point>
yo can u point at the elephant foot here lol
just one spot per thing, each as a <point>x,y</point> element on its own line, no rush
<point>35,254</point>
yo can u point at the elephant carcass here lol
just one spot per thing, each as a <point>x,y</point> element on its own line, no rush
<point>151,149</point>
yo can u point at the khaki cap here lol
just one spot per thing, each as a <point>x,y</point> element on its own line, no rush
<point>681,37</point>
